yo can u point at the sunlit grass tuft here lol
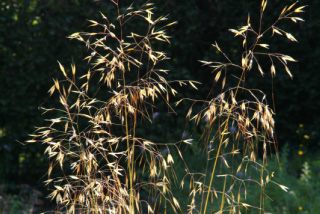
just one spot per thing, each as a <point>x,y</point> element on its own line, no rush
<point>106,168</point>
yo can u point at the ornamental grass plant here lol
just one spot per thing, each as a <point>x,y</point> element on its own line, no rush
<point>98,161</point>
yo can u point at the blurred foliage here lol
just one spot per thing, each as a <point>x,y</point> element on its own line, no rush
<point>301,175</point>
<point>33,37</point>
<point>26,200</point>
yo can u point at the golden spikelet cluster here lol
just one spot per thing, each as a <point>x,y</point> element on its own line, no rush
<point>239,115</point>
<point>94,143</point>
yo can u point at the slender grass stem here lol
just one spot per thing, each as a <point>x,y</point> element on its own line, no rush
<point>131,209</point>
<point>220,143</point>
<point>223,193</point>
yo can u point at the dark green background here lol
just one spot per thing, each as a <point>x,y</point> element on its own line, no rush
<point>33,37</point>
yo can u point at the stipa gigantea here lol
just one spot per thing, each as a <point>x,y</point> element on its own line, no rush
<point>246,122</point>
<point>94,142</point>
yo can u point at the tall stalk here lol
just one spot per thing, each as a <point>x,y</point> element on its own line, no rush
<point>252,118</point>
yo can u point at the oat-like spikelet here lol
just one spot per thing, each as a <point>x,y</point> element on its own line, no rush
<point>94,143</point>
<point>238,114</point>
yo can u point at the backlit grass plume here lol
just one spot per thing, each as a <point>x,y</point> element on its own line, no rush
<point>94,142</point>
<point>106,168</point>
<point>241,117</point>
